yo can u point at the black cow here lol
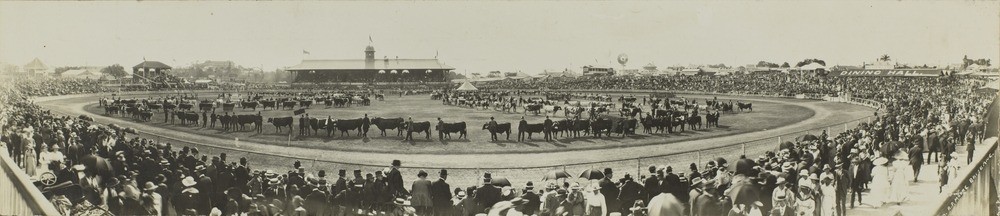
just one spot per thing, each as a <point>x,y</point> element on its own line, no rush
<point>600,126</point>
<point>530,129</point>
<point>169,106</point>
<point>389,124</point>
<point>268,103</point>
<point>712,119</point>
<point>288,105</point>
<point>448,128</point>
<point>532,108</point>
<point>281,122</point>
<point>745,106</point>
<point>206,106</point>
<point>694,122</point>
<point>305,103</point>
<point>251,104</point>
<point>340,102</point>
<point>187,117</point>
<point>345,125</point>
<point>185,106</point>
<point>317,124</point>
<point>500,128</point>
<point>419,127</point>
<point>242,120</point>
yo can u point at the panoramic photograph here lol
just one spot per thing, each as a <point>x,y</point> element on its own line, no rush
<point>499,108</point>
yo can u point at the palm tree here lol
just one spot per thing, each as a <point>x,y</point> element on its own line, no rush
<point>885,57</point>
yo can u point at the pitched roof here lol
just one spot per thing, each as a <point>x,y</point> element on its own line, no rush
<point>467,86</point>
<point>152,64</point>
<point>35,65</point>
<point>356,64</point>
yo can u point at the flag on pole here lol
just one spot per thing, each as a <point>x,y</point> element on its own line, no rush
<point>370,39</point>
<point>305,52</point>
<point>435,54</point>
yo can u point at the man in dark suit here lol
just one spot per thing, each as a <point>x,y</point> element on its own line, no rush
<point>520,125</point>
<point>492,125</point>
<point>409,129</point>
<point>241,175</point>
<point>487,195</point>
<point>440,129</point>
<point>533,201</point>
<point>630,192</point>
<point>395,180</point>
<point>213,118</point>
<point>365,124</point>
<point>610,191</point>
<point>671,182</point>
<point>441,195</point>
<point>916,159</point>
<point>548,128</point>
<point>304,124</point>
<point>340,184</point>
<point>651,184</point>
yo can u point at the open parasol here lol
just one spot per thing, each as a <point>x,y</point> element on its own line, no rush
<point>806,138</point>
<point>500,182</point>
<point>96,165</point>
<point>744,192</point>
<point>592,173</point>
<point>556,174</point>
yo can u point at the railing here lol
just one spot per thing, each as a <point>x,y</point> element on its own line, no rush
<point>469,176</point>
<point>976,190</point>
<point>18,196</point>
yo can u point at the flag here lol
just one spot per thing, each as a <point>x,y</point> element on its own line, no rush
<point>435,54</point>
<point>370,39</point>
<point>300,111</point>
<point>305,52</point>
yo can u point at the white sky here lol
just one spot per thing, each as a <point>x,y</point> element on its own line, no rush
<point>484,36</point>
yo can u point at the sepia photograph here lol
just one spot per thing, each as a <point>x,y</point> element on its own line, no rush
<point>500,108</point>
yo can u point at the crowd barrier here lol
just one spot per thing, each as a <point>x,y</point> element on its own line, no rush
<point>680,161</point>
<point>976,191</point>
<point>18,196</point>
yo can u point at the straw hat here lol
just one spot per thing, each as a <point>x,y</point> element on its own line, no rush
<point>880,161</point>
<point>188,181</point>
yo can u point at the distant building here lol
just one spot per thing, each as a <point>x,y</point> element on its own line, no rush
<point>36,66</point>
<point>84,73</point>
<point>880,64</point>
<point>370,69</point>
<point>591,70</point>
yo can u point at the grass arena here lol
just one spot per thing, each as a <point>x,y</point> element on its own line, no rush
<point>467,158</point>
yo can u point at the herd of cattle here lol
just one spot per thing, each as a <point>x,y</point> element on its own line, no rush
<point>665,115</point>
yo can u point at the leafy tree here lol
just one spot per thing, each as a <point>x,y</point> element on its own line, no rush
<point>810,61</point>
<point>785,65</point>
<point>766,64</point>
<point>116,71</point>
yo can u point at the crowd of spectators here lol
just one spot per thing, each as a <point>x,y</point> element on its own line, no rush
<point>822,175</point>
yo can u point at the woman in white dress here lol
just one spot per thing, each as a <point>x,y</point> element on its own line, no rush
<point>44,158</point>
<point>880,182</point>
<point>901,172</point>
<point>828,191</point>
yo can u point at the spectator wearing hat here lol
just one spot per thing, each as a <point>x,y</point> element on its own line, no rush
<point>596,203</point>
<point>805,203</point>
<point>316,200</point>
<point>189,198</point>
<point>576,199</point>
<point>532,201</point>
<point>610,191</point>
<point>493,124</point>
<point>341,183</point>
<point>708,203</point>
<point>487,195</point>
<point>651,184</point>
<point>395,180</point>
<point>421,194</point>
<point>629,193</point>
<point>441,194</point>
<point>149,190</point>
<point>551,200</point>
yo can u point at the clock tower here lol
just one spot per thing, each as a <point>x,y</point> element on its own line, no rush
<point>370,57</point>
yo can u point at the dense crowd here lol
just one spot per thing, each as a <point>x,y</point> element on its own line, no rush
<point>925,121</point>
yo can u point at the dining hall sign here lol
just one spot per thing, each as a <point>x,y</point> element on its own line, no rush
<point>890,72</point>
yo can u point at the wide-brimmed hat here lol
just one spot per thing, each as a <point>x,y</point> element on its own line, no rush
<point>149,186</point>
<point>880,161</point>
<point>188,181</point>
<point>529,186</point>
<point>697,181</point>
<point>575,186</point>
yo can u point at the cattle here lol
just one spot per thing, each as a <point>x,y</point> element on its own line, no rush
<point>448,128</point>
<point>341,102</point>
<point>600,126</point>
<point>112,110</point>
<point>317,124</point>
<point>657,123</point>
<point>145,115</point>
<point>249,104</point>
<point>419,127</point>
<point>389,124</point>
<point>745,106</point>
<point>169,106</point>
<point>694,122</point>
<point>225,120</point>
<point>185,106</point>
<point>532,108</point>
<point>242,120</point>
<point>154,106</point>
<point>228,107</point>
<point>500,128</point>
<point>187,117</point>
<point>529,129</point>
<point>345,125</point>
<point>281,122</point>
<point>551,109</point>
<point>305,103</point>
<point>712,119</point>
<point>288,105</point>
<point>624,126</point>
<point>268,103</point>
<point>206,106</point>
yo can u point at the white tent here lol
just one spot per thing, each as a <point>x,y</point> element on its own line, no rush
<point>467,86</point>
